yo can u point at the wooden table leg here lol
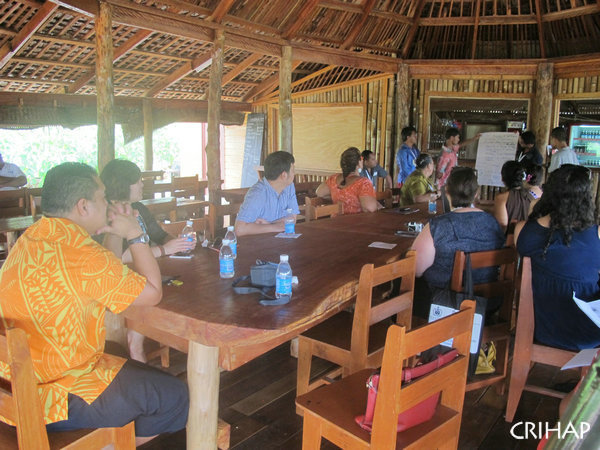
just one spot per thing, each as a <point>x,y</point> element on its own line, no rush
<point>203,382</point>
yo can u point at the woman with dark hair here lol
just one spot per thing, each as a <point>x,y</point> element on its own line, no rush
<point>512,205</point>
<point>417,187</point>
<point>123,183</point>
<point>356,193</point>
<point>465,228</point>
<point>563,241</point>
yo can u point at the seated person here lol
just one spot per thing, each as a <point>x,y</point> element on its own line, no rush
<point>563,241</point>
<point>465,228</point>
<point>349,188</point>
<point>417,187</point>
<point>61,304</point>
<point>372,170</point>
<point>123,181</point>
<point>512,205</point>
<point>11,176</point>
<point>534,175</point>
<point>265,204</point>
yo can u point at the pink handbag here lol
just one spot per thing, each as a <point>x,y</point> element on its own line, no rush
<point>419,413</point>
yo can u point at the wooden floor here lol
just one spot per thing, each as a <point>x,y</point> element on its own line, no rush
<point>258,401</point>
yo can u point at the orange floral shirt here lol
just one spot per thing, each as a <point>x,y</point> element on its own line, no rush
<point>55,285</point>
<point>350,195</point>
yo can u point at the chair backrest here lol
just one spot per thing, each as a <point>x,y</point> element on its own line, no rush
<point>151,188</point>
<point>393,398</point>
<point>22,405</point>
<point>216,215</point>
<point>34,204</point>
<point>152,175</point>
<point>13,203</point>
<point>385,198</point>
<point>186,187</point>
<point>366,313</point>
<point>317,208</point>
<point>174,228</point>
<point>162,208</point>
<point>504,258</point>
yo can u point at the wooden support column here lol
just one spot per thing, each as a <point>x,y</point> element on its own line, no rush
<point>213,146</point>
<point>104,86</point>
<point>285,99</point>
<point>402,110</point>
<point>148,128</point>
<point>541,112</point>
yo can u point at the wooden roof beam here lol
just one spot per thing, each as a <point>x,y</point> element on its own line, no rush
<point>300,81</point>
<point>220,11</point>
<point>118,53</point>
<point>570,13</point>
<point>198,64</point>
<point>335,57</point>
<point>349,41</point>
<point>268,83</point>
<point>413,29</point>
<point>476,29</point>
<point>306,13</point>
<point>14,45</point>
<point>229,76</point>
<point>538,16</point>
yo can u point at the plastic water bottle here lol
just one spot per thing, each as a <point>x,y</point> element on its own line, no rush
<point>290,222</point>
<point>226,268</point>
<point>188,234</point>
<point>283,278</point>
<point>432,204</point>
<point>232,238</point>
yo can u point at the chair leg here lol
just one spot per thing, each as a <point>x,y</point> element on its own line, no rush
<point>304,364</point>
<point>518,378</point>
<point>124,437</point>
<point>311,432</point>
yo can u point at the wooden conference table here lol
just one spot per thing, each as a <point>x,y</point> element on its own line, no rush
<point>219,328</point>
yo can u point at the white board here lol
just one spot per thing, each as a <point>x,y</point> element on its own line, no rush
<point>493,151</point>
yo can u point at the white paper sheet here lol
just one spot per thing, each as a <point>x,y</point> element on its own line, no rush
<point>288,235</point>
<point>493,150</point>
<point>591,309</point>
<point>385,245</point>
<point>581,359</point>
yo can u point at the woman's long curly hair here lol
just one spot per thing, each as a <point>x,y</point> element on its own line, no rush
<point>348,162</point>
<point>567,199</point>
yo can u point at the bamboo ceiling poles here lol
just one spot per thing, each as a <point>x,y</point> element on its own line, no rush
<point>285,100</point>
<point>213,146</point>
<point>541,114</point>
<point>104,86</point>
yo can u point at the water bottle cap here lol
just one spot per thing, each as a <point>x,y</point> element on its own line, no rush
<point>230,228</point>
<point>189,223</point>
<point>283,258</point>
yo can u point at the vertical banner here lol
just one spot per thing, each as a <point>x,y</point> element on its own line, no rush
<point>255,127</point>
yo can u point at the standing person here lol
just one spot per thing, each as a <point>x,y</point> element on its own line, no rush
<point>407,154</point>
<point>11,176</point>
<point>353,191</point>
<point>372,170</point>
<point>562,239</point>
<point>527,152</point>
<point>265,204</point>
<point>123,181</point>
<point>418,187</point>
<point>56,285</point>
<point>449,155</point>
<point>564,155</point>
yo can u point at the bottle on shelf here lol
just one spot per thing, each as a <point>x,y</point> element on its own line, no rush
<point>290,222</point>
<point>283,278</point>
<point>226,264</point>
<point>232,238</point>
<point>188,234</point>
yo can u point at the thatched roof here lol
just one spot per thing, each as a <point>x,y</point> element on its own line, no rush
<point>162,48</point>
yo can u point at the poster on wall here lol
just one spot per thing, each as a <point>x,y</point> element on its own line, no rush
<point>493,151</point>
<point>255,127</point>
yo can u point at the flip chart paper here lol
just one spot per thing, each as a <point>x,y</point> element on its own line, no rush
<point>493,150</point>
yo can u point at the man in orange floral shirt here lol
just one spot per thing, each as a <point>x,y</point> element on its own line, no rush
<point>56,285</point>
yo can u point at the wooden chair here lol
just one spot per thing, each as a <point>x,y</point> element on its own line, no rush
<point>385,198</point>
<point>317,208</point>
<point>330,410</point>
<point>22,405</point>
<point>34,201</point>
<point>499,332</point>
<point>152,175</point>
<point>152,187</point>
<point>356,341</point>
<point>13,203</point>
<point>162,209</point>
<point>216,215</point>
<point>527,352</point>
<point>174,228</point>
<point>186,187</point>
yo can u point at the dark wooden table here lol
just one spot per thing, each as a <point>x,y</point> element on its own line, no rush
<point>219,328</point>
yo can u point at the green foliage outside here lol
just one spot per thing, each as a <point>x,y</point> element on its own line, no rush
<point>37,150</point>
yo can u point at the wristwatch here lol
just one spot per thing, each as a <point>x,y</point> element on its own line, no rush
<point>141,239</point>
